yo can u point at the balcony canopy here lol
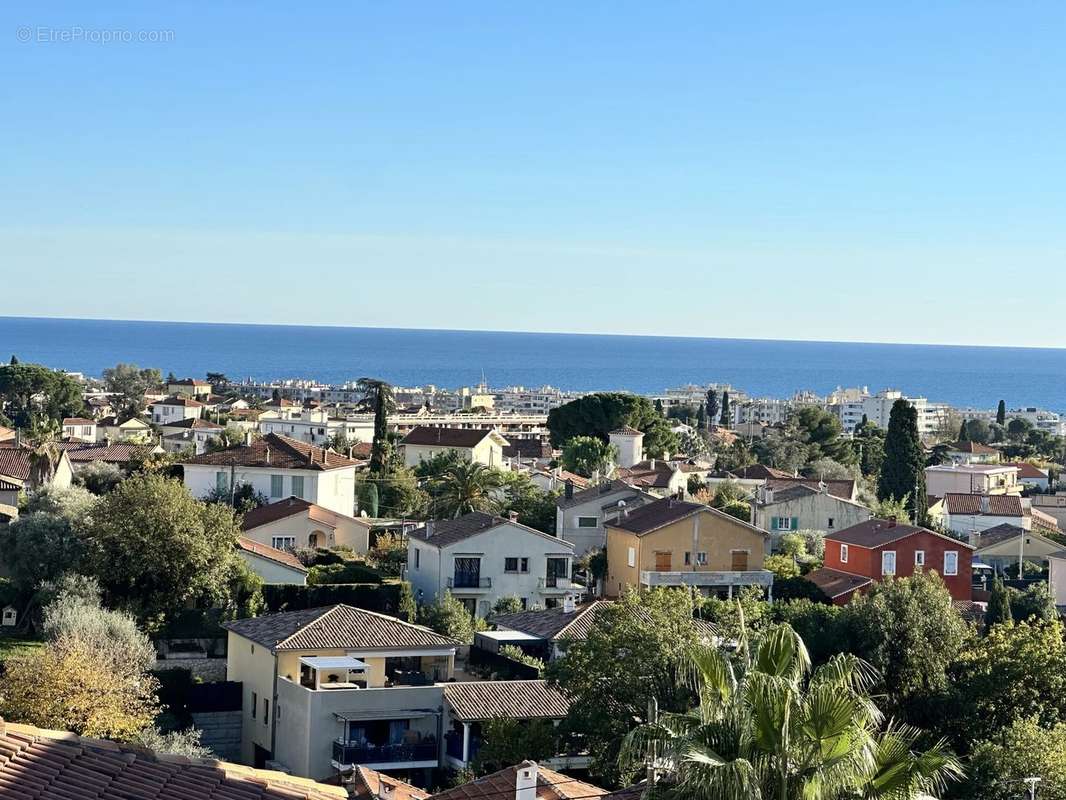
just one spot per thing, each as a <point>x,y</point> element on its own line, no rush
<point>334,662</point>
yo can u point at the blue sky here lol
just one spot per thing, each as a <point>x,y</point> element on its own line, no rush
<point>787,170</point>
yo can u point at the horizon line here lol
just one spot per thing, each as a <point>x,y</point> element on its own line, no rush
<point>59,318</point>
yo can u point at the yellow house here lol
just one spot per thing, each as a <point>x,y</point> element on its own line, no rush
<point>327,688</point>
<point>672,542</point>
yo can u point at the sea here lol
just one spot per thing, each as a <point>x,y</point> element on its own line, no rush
<point>962,376</point>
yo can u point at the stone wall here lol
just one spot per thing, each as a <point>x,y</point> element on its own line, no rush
<point>208,670</point>
<point>221,731</point>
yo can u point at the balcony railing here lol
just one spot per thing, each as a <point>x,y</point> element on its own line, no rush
<point>554,582</point>
<point>469,582</point>
<point>358,753</point>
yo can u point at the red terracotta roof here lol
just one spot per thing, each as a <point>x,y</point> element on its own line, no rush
<point>369,784</point>
<point>78,421</point>
<point>290,507</point>
<point>54,765</point>
<point>975,448</point>
<point>835,583</point>
<point>277,452</point>
<point>501,785</point>
<point>995,505</point>
<point>446,437</point>
<point>272,553</point>
<point>174,400</point>
<point>1027,470</point>
<point>876,532</point>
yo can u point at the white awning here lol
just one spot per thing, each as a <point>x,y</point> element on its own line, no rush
<point>509,636</point>
<point>334,662</point>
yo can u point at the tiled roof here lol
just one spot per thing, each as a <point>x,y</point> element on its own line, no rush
<point>277,452</point>
<point>198,424</point>
<point>974,448</point>
<point>1027,470</point>
<point>6,433</point>
<point>8,486</point>
<point>527,448</point>
<point>551,785</point>
<point>876,532</point>
<point>449,531</point>
<point>998,533</point>
<point>835,583</point>
<point>482,700</point>
<point>174,400</point>
<point>654,473</point>
<point>995,505</point>
<point>595,491</point>
<point>553,624</point>
<point>272,553</point>
<point>15,462</point>
<point>369,784</point>
<point>54,765</point>
<point>760,472</point>
<point>78,421</point>
<point>289,507</point>
<point>838,488</point>
<point>335,627</point>
<point>114,422</point>
<point>656,515</point>
<point>445,437</point>
<point>626,430</point>
<point>84,452</point>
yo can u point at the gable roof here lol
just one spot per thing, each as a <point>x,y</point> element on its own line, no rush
<point>275,451</point>
<point>15,463</point>
<point>760,472</point>
<point>1027,470</point>
<point>974,448</point>
<point>551,785</point>
<point>483,700</point>
<point>290,507</point>
<point>527,448</point>
<point>444,532</point>
<point>844,489</point>
<point>553,624</point>
<point>875,532</point>
<point>55,765</point>
<point>177,400</point>
<point>835,583</point>
<point>369,784</point>
<point>994,505</point>
<point>283,557</point>
<point>1004,533</point>
<point>667,511</point>
<point>118,453</point>
<point>335,627</point>
<point>625,430</point>
<point>606,488</point>
<point>114,422</point>
<point>652,473</point>
<point>78,421</point>
<point>195,422</point>
<point>447,437</point>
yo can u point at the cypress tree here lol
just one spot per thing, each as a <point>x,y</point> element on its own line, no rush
<point>15,361</point>
<point>726,416</point>
<point>659,405</point>
<point>712,406</point>
<point>903,469</point>
<point>1001,413</point>
<point>701,416</point>
<point>964,433</point>
<point>998,604</point>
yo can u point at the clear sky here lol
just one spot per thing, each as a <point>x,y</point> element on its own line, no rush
<point>837,170</point>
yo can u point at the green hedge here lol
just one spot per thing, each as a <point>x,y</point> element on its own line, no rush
<point>381,597</point>
<point>344,572</point>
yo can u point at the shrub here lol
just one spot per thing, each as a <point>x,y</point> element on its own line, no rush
<point>346,572</point>
<point>99,477</point>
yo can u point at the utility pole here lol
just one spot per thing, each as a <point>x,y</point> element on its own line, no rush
<point>1032,782</point>
<point>653,756</point>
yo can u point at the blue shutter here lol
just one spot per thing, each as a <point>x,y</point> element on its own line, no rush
<point>795,523</point>
<point>773,523</point>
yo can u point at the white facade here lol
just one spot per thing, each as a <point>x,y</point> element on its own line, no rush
<point>333,488</point>
<point>581,523</point>
<point>630,446</point>
<point>314,426</point>
<point>971,479</point>
<point>505,560</point>
<point>164,413</point>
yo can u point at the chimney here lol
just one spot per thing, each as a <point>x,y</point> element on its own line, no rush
<point>513,516</point>
<point>892,521</point>
<point>569,606</point>
<point>429,528</point>
<point>526,781</point>
<point>268,455</point>
<point>651,464</point>
<point>768,494</point>
<point>623,512</point>
<point>984,504</point>
<point>569,490</point>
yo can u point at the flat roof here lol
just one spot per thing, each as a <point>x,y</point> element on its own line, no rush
<point>508,636</point>
<point>333,662</point>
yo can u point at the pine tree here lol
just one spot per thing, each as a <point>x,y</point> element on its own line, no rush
<point>726,415</point>
<point>964,432</point>
<point>902,471</point>
<point>1001,413</point>
<point>998,604</point>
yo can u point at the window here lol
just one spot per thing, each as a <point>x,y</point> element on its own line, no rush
<point>220,481</point>
<point>266,711</point>
<point>587,522</point>
<point>523,565</point>
<point>701,559</point>
<point>255,703</point>
<point>632,556</point>
<point>783,523</point>
<point>688,558</point>
<point>283,542</point>
<point>951,562</point>
<point>888,562</point>
<point>298,485</point>
<point>277,485</point>
<point>843,554</point>
<point>919,558</point>
<point>830,525</point>
<point>510,564</point>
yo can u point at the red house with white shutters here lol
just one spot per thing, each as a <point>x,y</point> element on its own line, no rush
<point>859,556</point>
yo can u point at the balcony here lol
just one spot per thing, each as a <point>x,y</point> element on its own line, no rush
<point>555,584</point>
<point>469,582</point>
<point>749,577</point>
<point>422,754</point>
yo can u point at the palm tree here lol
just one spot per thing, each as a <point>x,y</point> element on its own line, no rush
<point>772,729</point>
<point>44,455</point>
<point>464,487</point>
<point>377,396</point>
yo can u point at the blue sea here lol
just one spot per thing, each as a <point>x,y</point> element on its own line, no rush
<point>962,376</point>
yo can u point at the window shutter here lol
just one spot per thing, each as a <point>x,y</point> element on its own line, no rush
<point>773,523</point>
<point>795,523</point>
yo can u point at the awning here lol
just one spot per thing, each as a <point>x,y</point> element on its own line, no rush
<point>414,713</point>
<point>508,636</point>
<point>334,662</point>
